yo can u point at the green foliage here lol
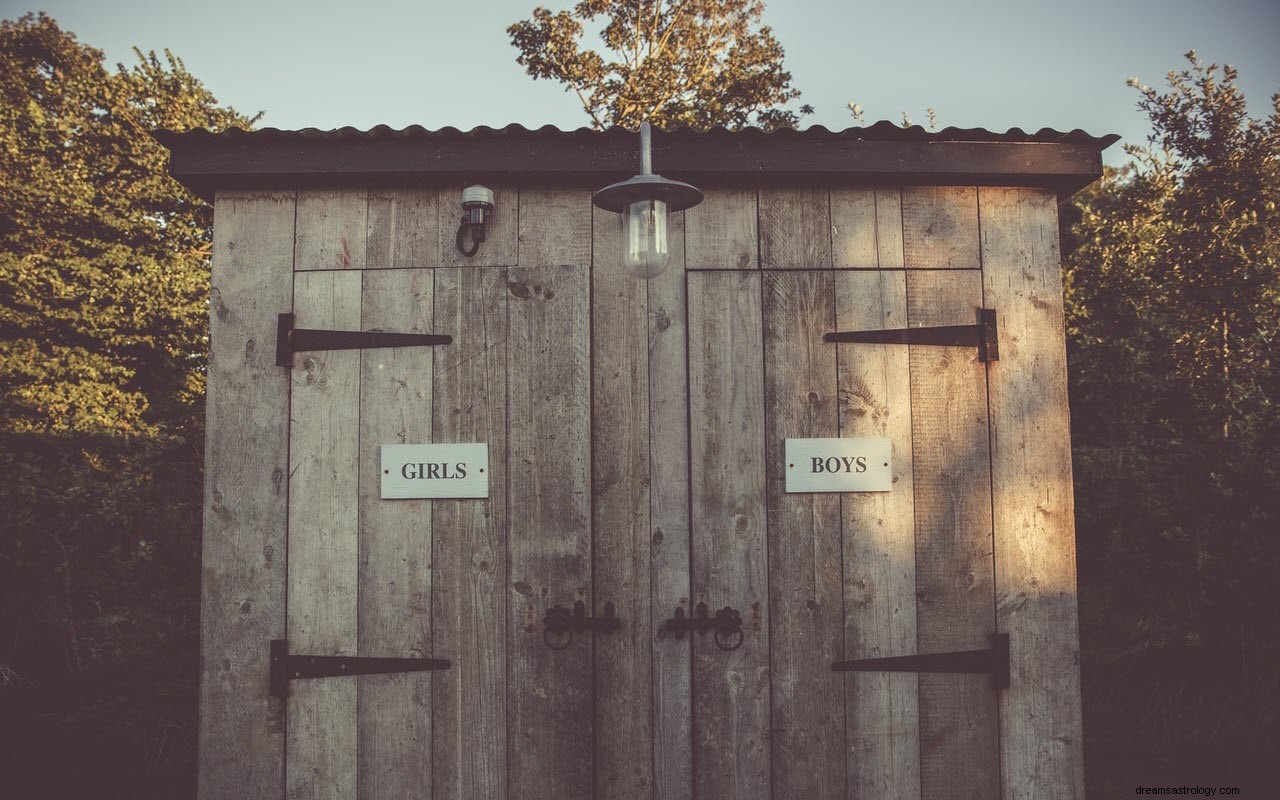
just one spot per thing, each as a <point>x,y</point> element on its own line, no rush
<point>104,271</point>
<point>700,63</point>
<point>1173,273</point>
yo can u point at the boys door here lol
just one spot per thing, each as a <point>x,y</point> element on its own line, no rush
<point>820,578</point>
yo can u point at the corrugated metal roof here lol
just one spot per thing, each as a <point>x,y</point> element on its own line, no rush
<point>882,153</point>
<point>882,131</point>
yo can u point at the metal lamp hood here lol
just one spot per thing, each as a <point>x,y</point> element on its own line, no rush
<point>677,195</point>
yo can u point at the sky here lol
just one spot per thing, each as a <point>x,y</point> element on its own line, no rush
<point>978,63</point>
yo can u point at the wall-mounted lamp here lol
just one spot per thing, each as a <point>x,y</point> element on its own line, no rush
<point>477,205</point>
<point>644,202</point>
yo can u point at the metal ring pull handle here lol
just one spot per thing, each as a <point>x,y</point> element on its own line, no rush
<point>557,638</point>
<point>728,627</point>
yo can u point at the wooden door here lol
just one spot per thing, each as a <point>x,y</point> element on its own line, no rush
<point>462,579</point>
<point>825,577</point>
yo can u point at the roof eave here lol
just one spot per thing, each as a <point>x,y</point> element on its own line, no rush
<point>209,163</point>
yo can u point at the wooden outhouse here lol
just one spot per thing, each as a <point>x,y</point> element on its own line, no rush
<point>638,444</point>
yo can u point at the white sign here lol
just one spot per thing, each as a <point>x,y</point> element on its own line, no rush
<point>853,464</point>
<point>435,470</point>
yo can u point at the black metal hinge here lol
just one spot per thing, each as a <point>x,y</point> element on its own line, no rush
<point>983,336</point>
<point>290,340</point>
<point>286,666</point>
<point>560,623</point>
<point>727,624</point>
<point>993,661</point>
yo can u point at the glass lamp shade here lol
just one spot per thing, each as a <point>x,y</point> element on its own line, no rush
<point>644,229</point>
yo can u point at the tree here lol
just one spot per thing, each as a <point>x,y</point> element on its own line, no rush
<point>700,63</point>
<point>104,272</point>
<point>1173,268</point>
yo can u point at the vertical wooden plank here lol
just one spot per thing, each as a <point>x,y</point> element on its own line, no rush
<point>549,407</point>
<point>954,582</point>
<point>395,542</point>
<point>795,228</point>
<point>889,245</point>
<point>720,232</point>
<point>1040,725</point>
<point>323,541</point>
<point>730,564</point>
<point>620,517</point>
<point>853,228</point>
<point>469,537</point>
<point>555,227</point>
<point>879,541</point>
<point>805,597</point>
<point>241,739</point>
<point>404,229</point>
<point>940,226</point>
<point>332,229</point>
<point>669,522</point>
<point>499,246</point>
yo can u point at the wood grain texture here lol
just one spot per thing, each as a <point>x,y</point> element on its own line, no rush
<point>549,406</point>
<point>1040,721</point>
<point>954,582</point>
<point>404,229</point>
<point>729,555</point>
<point>853,228</point>
<point>795,228</point>
<point>395,541</point>
<point>323,542</point>
<point>669,523</point>
<point>555,227</point>
<point>499,246</point>
<point>241,736</point>
<point>879,541</point>
<point>332,229</point>
<point>720,232</point>
<point>469,538</point>
<point>940,226</point>
<point>623,661</point>
<point>805,598</point>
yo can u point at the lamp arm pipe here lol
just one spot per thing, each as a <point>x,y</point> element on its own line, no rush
<point>646,150</point>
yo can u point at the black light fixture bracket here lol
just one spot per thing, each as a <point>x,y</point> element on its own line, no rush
<point>286,666</point>
<point>993,661</point>
<point>560,623</point>
<point>983,335</point>
<point>290,340</point>
<point>727,625</point>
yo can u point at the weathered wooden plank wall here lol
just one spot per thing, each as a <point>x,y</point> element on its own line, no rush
<point>635,437</point>
<point>806,606</point>
<point>394,711</point>
<point>669,521</point>
<point>1040,724</point>
<point>323,539</point>
<point>243,590</point>
<point>729,541</point>
<point>549,481</point>
<point>620,517</point>
<point>883,742</point>
<point>470,560</point>
<point>952,463</point>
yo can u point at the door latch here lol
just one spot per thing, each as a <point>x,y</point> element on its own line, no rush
<point>290,340</point>
<point>993,661</point>
<point>983,335</point>
<point>560,623</point>
<point>727,625</point>
<point>286,666</point>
